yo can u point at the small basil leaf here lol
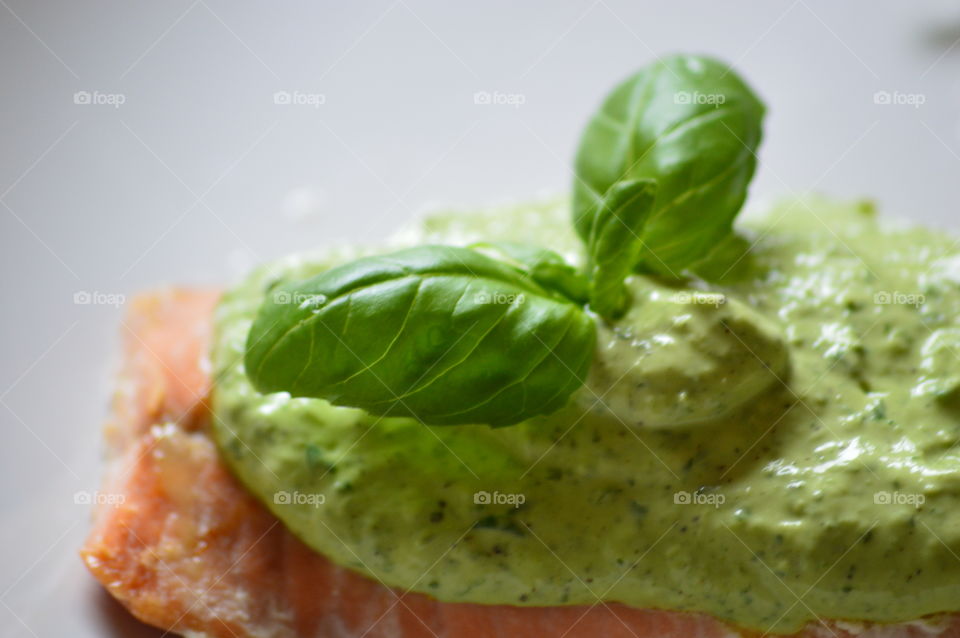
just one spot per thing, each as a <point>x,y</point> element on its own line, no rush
<point>693,125</point>
<point>546,267</point>
<point>614,242</point>
<point>445,335</point>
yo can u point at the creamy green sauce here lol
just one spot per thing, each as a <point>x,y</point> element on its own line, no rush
<point>774,447</point>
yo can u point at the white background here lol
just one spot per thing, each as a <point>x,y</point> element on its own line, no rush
<point>189,180</point>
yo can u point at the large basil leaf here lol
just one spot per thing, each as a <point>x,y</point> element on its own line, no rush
<point>691,124</point>
<point>445,335</point>
<point>614,245</point>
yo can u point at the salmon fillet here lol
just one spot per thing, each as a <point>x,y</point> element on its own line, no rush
<point>189,550</point>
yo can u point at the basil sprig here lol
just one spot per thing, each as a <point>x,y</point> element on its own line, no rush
<point>693,126</point>
<point>442,334</point>
<point>500,332</point>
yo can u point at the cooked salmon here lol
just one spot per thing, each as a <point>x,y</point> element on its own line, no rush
<point>190,551</point>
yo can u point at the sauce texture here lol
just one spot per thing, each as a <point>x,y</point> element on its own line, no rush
<point>775,445</point>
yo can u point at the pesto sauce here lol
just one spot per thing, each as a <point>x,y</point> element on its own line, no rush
<point>796,440</point>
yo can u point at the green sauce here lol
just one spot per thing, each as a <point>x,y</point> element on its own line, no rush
<point>771,447</point>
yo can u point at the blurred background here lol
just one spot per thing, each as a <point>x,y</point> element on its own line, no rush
<point>182,142</point>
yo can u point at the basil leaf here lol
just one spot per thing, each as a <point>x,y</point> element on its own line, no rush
<point>546,267</point>
<point>693,125</point>
<point>445,335</point>
<point>614,242</point>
